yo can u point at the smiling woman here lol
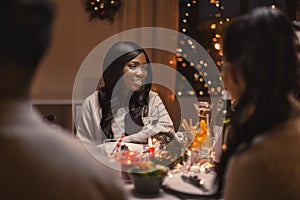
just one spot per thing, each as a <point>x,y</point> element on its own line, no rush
<point>135,72</point>
<point>115,109</point>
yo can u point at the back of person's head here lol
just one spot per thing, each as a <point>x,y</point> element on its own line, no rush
<point>261,48</point>
<point>115,59</point>
<point>25,30</point>
<point>296,26</point>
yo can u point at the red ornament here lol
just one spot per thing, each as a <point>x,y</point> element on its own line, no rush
<point>103,13</point>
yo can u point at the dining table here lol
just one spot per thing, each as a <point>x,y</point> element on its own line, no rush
<point>165,193</point>
<point>173,185</point>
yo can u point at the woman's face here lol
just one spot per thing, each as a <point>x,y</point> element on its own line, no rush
<point>233,81</point>
<point>135,72</point>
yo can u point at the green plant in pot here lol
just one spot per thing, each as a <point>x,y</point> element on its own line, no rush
<point>147,177</point>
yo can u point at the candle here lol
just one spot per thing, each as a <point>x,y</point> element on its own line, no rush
<point>151,147</point>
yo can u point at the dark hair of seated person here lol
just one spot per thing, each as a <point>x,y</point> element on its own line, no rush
<point>296,26</point>
<point>261,46</point>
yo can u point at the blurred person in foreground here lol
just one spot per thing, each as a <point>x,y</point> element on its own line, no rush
<point>38,162</point>
<point>262,159</point>
<point>296,26</point>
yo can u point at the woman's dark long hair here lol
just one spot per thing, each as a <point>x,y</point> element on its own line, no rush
<point>117,56</point>
<point>262,47</point>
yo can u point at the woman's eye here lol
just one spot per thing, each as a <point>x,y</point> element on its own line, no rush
<point>132,66</point>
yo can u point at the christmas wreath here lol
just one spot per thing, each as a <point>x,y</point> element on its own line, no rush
<point>102,9</point>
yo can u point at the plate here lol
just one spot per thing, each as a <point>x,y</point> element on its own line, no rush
<point>176,183</point>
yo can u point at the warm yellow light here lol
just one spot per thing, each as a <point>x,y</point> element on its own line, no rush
<point>183,30</point>
<point>183,65</point>
<point>213,26</point>
<point>191,92</point>
<point>227,19</point>
<point>112,2</point>
<point>201,92</point>
<point>187,14</point>
<point>95,8</point>
<point>205,74</point>
<point>92,3</point>
<point>184,20</point>
<point>221,22</point>
<point>171,62</point>
<point>273,6</point>
<point>102,5</point>
<point>188,5</point>
<point>192,64</point>
<point>179,59</point>
<point>214,39</point>
<point>178,50</point>
<point>217,15</point>
<point>219,89</point>
<point>218,35</point>
<point>201,79</point>
<point>217,46</point>
<point>212,89</point>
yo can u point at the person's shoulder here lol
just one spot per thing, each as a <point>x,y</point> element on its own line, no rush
<point>91,100</point>
<point>92,97</point>
<point>152,94</point>
<point>65,160</point>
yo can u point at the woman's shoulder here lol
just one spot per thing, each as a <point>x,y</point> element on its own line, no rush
<point>152,94</point>
<point>273,144</point>
<point>91,97</point>
<point>91,100</point>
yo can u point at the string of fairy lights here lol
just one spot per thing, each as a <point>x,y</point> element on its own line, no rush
<point>214,49</point>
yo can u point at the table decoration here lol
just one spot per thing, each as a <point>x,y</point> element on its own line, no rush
<point>147,177</point>
<point>168,150</point>
<point>127,159</point>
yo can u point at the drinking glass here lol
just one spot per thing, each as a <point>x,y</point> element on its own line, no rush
<point>150,117</point>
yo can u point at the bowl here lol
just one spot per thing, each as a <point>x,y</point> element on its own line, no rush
<point>148,185</point>
<point>147,177</point>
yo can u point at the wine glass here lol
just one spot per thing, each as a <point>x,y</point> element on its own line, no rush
<point>146,116</point>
